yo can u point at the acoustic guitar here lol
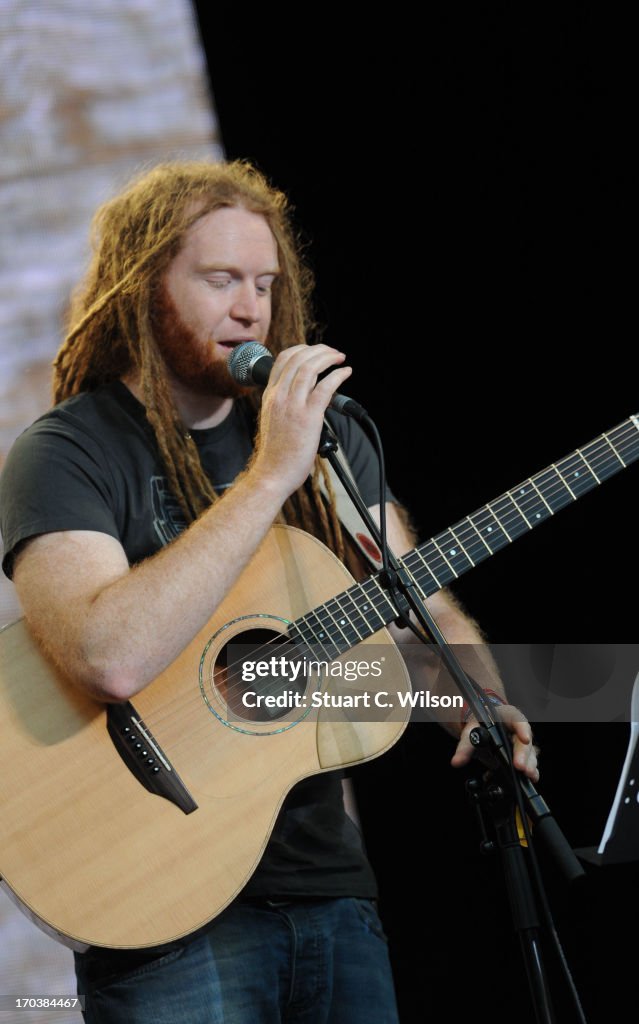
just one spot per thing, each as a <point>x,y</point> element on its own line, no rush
<point>130,825</point>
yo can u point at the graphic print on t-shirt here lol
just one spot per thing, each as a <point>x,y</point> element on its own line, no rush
<point>168,517</point>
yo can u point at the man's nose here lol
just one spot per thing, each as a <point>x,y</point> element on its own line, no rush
<point>245,304</point>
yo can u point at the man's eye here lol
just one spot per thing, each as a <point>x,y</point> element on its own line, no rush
<point>218,282</point>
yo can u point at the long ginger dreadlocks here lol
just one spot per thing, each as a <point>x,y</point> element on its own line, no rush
<point>135,237</point>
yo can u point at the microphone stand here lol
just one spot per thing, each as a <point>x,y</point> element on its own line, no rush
<point>504,789</point>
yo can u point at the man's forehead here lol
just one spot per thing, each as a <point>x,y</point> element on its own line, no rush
<point>221,216</point>
<point>229,229</point>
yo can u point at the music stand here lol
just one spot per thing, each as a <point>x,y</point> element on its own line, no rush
<point>620,840</point>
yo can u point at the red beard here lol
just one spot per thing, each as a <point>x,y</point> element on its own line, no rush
<point>190,361</point>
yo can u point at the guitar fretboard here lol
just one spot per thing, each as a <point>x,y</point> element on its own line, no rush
<point>357,613</point>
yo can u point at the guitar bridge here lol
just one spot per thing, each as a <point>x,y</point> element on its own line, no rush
<point>144,757</point>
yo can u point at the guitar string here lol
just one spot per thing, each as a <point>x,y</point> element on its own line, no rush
<point>598,452</point>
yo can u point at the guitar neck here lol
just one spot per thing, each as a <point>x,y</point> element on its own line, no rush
<point>357,613</point>
<point>445,557</point>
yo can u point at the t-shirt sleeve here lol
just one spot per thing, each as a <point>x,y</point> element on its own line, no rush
<point>56,477</point>
<point>361,457</point>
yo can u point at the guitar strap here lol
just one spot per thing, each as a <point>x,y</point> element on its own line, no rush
<point>350,518</point>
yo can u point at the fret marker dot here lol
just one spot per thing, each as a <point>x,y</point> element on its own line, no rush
<point>538,515</point>
<point>342,621</point>
<point>522,490</point>
<point>452,551</point>
<point>489,530</point>
<point>321,636</point>
<point>577,473</point>
<point>365,607</point>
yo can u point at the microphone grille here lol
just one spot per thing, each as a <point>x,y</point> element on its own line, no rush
<point>242,359</point>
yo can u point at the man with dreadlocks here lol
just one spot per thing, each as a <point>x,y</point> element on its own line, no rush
<point>123,534</point>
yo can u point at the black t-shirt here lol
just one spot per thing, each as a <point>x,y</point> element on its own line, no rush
<point>92,463</point>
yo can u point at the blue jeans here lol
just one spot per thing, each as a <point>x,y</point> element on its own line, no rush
<point>311,962</point>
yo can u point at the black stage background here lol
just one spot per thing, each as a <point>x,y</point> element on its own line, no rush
<point>465,193</point>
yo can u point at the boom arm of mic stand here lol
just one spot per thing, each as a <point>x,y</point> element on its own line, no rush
<point>538,811</point>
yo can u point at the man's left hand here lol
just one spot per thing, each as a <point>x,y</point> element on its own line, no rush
<point>524,750</point>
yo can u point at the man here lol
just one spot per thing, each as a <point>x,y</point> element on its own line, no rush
<point>192,260</point>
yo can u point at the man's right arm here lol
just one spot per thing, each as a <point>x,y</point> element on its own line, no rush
<point>114,629</point>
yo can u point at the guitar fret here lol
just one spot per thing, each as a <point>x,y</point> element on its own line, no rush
<point>419,569</point>
<point>564,482</point>
<point>585,460</point>
<point>319,637</point>
<point>614,450</point>
<point>387,600</point>
<point>503,512</point>
<point>449,545</point>
<point>457,538</point>
<point>305,626</point>
<point>347,599</point>
<point>344,623</point>
<point>553,489</point>
<point>373,596</point>
<point>631,448</point>
<point>581,480</point>
<point>430,570</point>
<point>405,562</point>
<point>532,480</point>
<point>330,640</point>
<point>485,520</point>
<point>436,563</point>
<point>455,574</point>
<point>295,634</point>
<point>606,461</point>
<point>519,508</point>
<point>375,593</point>
<point>325,616</point>
<point>488,549</point>
<point>472,543</point>
<point>627,439</point>
<point>297,627</point>
<point>341,619</point>
<point>531,503</point>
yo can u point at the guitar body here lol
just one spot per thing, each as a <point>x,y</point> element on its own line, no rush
<point>94,855</point>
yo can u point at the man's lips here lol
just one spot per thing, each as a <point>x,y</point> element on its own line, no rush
<point>232,343</point>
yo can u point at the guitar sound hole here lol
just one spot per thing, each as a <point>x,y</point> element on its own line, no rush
<point>260,677</point>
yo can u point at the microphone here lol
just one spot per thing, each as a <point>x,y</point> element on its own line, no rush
<point>251,363</point>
